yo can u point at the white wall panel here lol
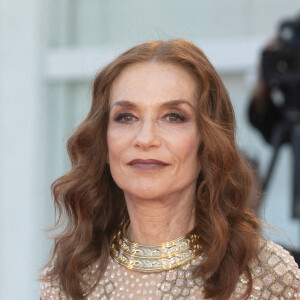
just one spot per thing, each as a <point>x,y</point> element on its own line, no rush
<point>94,22</point>
<point>22,161</point>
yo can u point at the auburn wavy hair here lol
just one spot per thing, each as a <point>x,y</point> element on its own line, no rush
<point>92,207</point>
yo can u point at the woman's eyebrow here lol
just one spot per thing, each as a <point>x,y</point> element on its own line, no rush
<point>123,103</point>
<point>178,102</point>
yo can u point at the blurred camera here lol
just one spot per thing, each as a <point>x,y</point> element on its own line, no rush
<point>281,64</point>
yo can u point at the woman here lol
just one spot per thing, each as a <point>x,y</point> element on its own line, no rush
<point>156,197</point>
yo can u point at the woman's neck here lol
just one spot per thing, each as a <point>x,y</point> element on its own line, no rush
<point>155,221</point>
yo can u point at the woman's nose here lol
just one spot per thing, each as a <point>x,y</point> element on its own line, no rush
<point>147,135</point>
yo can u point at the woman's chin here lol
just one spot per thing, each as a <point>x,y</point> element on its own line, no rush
<point>149,193</point>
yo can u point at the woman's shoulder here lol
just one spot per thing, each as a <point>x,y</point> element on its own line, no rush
<point>273,257</point>
<point>275,273</point>
<point>51,287</point>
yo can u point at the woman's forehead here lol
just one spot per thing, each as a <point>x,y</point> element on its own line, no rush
<point>153,82</point>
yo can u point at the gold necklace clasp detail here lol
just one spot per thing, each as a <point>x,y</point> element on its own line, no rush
<point>156,258</point>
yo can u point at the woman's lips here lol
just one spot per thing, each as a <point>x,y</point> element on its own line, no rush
<point>147,164</point>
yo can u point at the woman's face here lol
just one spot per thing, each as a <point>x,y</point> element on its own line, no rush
<point>152,132</point>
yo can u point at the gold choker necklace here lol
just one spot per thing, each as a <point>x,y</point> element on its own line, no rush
<point>157,258</point>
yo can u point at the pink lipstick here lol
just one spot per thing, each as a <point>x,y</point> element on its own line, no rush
<point>147,164</point>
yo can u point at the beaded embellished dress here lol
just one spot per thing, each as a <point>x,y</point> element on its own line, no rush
<point>275,276</point>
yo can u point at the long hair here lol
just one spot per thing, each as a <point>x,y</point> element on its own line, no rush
<point>93,206</point>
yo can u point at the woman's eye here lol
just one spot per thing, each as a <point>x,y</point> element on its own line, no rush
<point>175,117</point>
<point>125,117</point>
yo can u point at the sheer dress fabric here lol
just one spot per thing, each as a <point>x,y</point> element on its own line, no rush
<point>275,274</point>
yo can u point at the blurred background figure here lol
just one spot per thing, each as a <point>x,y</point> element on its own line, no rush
<point>275,105</point>
<point>49,52</point>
